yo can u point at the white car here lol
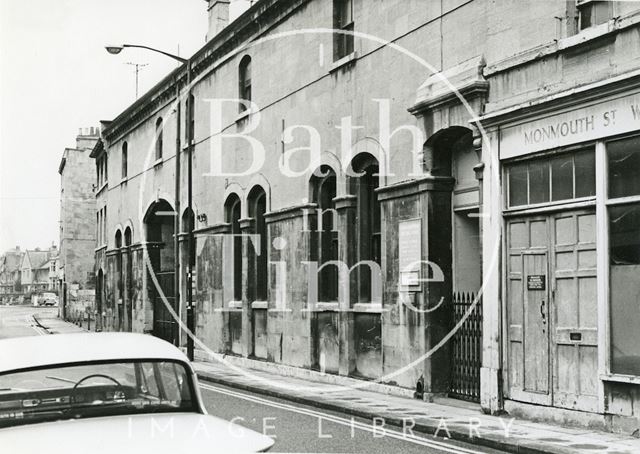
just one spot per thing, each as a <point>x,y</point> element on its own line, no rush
<point>108,393</point>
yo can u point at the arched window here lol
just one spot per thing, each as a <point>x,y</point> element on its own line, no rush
<point>159,135</point>
<point>258,275</point>
<point>188,224</point>
<point>125,152</point>
<point>127,236</point>
<point>232,216</point>
<point>367,220</point>
<point>190,119</point>
<point>324,239</point>
<point>118,240</point>
<point>244,80</point>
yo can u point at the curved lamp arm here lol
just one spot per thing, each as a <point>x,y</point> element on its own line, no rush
<point>117,49</point>
<point>175,57</point>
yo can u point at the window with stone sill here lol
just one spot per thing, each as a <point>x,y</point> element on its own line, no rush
<point>125,164</point>
<point>258,269</point>
<point>324,237</point>
<point>368,226</point>
<point>343,43</point>
<point>593,12</point>
<point>232,208</point>
<point>159,138</point>
<point>244,82</point>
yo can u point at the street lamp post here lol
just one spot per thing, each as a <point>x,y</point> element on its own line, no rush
<point>190,224</point>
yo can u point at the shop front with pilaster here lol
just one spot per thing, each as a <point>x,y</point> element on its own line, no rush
<point>570,198</point>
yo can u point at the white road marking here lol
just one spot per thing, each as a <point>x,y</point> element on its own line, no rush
<point>29,320</point>
<point>346,422</point>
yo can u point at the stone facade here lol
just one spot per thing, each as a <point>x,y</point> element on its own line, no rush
<point>411,171</point>
<point>77,216</point>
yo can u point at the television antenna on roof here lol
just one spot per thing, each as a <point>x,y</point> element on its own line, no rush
<point>138,66</point>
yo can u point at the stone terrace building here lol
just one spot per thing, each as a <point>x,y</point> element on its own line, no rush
<point>490,142</point>
<point>77,210</point>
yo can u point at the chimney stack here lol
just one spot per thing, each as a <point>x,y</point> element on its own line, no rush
<point>218,17</point>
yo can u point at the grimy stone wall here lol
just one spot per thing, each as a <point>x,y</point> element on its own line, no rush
<point>295,81</point>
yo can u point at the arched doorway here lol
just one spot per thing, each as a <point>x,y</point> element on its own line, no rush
<point>159,233</point>
<point>450,153</point>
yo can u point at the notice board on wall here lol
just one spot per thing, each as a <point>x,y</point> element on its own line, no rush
<point>410,252</point>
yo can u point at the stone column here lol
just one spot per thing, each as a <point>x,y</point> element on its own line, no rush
<point>436,215</point>
<point>247,227</point>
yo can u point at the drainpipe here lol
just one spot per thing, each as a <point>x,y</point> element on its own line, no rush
<point>192,217</point>
<point>176,218</point>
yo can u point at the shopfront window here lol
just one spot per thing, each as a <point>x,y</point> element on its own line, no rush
<point>623,158</point>
<point>624,164</point>
<point>543,180</point>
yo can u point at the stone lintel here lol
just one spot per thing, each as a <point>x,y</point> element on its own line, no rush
<point>412,187</point>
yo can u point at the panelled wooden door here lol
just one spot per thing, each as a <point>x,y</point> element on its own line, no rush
<point>551,310</point>
<point>575,368</point>
<point>528,328</point>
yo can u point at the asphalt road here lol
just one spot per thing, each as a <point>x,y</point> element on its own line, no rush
<point>300,428</point>
<point>17,321</point>
<point>295,427</point>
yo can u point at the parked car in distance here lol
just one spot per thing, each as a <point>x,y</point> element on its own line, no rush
<point>49,299</point>
<point>108,393</point>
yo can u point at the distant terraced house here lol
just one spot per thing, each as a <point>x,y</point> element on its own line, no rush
<point>38,270</point>
<point>10,275</point>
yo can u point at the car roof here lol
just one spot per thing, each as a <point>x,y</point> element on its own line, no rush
<point>47,350</point>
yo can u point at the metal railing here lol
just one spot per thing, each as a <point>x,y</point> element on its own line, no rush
<point>466,348</point>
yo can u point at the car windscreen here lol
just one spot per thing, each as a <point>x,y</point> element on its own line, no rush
<point>95,389</point>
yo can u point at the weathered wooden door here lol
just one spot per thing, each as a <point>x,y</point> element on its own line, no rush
<point>574,316</point>
<point>528,299</point>
<point>551,310</point>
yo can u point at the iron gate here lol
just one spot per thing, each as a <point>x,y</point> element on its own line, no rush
<point>466,348</point>
<point>164,325</point>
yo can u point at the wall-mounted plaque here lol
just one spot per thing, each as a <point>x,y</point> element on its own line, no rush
<point>410,252</point>
<point>537,282</point>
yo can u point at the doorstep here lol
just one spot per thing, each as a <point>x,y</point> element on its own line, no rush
<point>446,418</point>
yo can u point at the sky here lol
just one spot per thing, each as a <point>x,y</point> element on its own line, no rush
<point>56,77</point>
